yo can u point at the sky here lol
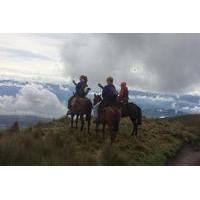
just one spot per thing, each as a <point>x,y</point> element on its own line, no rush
<point>166,63</point>
<point>34,57</point>
<point>152,62</point>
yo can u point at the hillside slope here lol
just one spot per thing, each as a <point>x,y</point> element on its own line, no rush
<point>55,143</point>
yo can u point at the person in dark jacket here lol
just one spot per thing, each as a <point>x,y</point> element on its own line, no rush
<point>109,95</point>
<point>81,89</point>
<point>81,86</point>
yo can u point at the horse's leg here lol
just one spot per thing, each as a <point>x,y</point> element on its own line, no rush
<point>136,129</point>
<point>89,122</point>
<point>113,136</point>
<point>134,125</point>
<point>98,122</point>
<point>72,120</point>
<point>112,133</point>
<point>97,127</point>
<point>77,116</point>
<point>104,127</point>
<point>82,122</point>
<point>115,129</point>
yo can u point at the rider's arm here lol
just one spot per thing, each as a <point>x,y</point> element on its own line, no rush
<point>101,86</point>
<point>74,82</point>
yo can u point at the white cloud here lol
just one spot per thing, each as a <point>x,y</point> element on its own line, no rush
<point>32,100</point>
<point>31,56</point>
<point>153,62</point>
<point>196,109</point>
<point>153,98</point>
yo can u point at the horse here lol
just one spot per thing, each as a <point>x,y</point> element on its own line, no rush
<point>130,110</point>
<point>79,108</point>
<point>109,116</point>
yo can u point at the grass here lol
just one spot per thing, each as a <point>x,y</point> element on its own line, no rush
<point>56,143</point>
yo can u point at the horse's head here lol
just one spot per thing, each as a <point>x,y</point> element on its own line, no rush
<point>86,90</point>
<point>97,99</point>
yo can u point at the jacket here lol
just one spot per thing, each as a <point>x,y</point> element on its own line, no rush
<point>123,94</point>
<point>109,94</point>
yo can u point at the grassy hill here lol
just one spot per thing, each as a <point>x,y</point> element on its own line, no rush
<point>55,143</point>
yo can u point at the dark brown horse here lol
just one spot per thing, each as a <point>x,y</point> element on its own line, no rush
<point>109,116</point>
<point>130,110</point>
<point>81,107</point>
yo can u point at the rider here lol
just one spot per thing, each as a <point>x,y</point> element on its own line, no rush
<point>81,86</point>
<point>109,95</point>
<point>123,94</point>
<point>81,89</point>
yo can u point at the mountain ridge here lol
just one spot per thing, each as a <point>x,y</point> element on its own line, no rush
<point>153,104</point>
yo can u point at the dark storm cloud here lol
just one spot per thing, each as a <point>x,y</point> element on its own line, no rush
<point>162,62</point>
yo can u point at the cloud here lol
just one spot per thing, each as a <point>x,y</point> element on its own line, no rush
<point>31,56</point>
<point>32,99</point>
<point>196,109</point>
<point>17,53</point>
<point>153,62</point>
<point>156,62</point>
<point>153,98</point>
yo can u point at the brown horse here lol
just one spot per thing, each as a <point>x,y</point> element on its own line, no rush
<point>109,116</point>
<point>130,110</point>
<point>81,107</point>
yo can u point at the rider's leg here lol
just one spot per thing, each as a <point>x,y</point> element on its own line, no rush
<point>69,102</point>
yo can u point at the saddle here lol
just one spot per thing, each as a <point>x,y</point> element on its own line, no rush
<point>78,100</point>
<point>80,105</point>
<point>112,109</point>
<point>103,108</point>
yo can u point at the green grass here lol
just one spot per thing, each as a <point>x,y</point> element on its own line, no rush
<point>56,143</point>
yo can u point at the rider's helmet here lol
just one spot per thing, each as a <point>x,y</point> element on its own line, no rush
<point>109,79</point>
<point>123,84</point>
<point>85,78</point>
<point>82,77</point>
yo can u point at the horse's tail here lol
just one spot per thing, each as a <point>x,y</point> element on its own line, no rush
<point>139,120</point>
<point>116,120</point>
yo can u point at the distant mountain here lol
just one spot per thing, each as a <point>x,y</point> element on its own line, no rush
<point>12,88</point>
<point>161,113</point>
<point>153,104</point>
<point>24,121</point>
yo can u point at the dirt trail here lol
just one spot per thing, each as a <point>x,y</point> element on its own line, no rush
<point>186,157</point>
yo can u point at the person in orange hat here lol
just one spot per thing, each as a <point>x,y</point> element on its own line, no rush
<point>123,94</point>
